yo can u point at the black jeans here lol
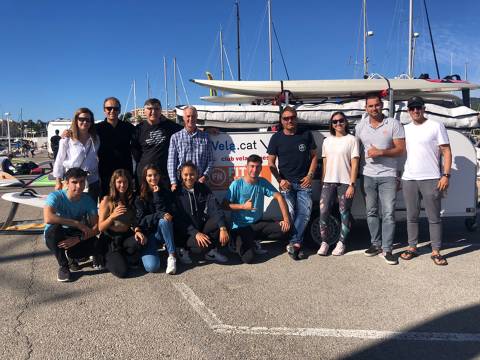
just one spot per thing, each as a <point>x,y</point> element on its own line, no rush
<point>85,248</point>
<point>121,249</point>
<point>210,228</point>
<point>265,230</point>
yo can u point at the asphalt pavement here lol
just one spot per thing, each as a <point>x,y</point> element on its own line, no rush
<point>349,307</point>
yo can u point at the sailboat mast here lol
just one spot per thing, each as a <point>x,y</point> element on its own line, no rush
<point>269,5</point>
<point>365,63</point>
<point>148,87</point>
<point>175,80</point>
<point>165,81</point>
<point>410,40</point>
<point>134,99</point>
<point>222,66</point>
<point>238,39</point>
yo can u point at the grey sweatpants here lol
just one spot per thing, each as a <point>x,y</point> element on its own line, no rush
<point>427,189</point>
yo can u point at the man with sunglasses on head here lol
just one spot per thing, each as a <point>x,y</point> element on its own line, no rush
<point>423,178</point>
<point>152,139</point>
<point>297,162</point>
<point>383,141</point>
<point>115,150</point>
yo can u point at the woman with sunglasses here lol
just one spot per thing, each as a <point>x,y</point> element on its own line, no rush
<point>80,151</point>
<point>340,153</point>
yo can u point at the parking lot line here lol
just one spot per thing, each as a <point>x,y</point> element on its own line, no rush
<point>218,326</point>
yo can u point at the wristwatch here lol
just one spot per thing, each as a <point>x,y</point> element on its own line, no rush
<point>446,175</point>
<point>352,184</point>
<point>310,175</point>
<point>223,228</point>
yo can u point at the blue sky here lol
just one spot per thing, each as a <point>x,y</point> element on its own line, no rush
<point>56,56</point>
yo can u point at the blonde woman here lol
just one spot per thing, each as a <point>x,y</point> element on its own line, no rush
<point>80,151</point>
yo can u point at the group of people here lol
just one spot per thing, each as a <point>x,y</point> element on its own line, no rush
<point>165,200</point>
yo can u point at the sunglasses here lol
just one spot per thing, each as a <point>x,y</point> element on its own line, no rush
<point>412,108</point>
<point>84,119</point>
<point>153,109</point>
<point>112,108</point>
<point>340,121</point>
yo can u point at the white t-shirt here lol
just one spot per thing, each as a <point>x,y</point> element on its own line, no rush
<point>423,152</point>
<point>339,152</point>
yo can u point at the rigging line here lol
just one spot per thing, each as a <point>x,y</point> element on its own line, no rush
<point>128,99</point>
<point>280,49</point>
<point>431,39</point>
<point>252,57</point>
<point>183,85</point>
<point>228,63</point>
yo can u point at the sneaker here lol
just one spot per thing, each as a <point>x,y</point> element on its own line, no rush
<point>97,263</point>
<point>258,248</point>
<point>184,256</point>
<point>339,249</point>
<point>323,249</point>
<point>63,274</point>
<point>389,258</point>
<point>214,255</point>
<point>373,251</point>
<point>292,251</point>
<point>171,265</point>
<point>301,255</point>
<point>73,265</point>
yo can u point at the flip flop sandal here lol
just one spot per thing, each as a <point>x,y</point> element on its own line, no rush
<point>439,260</point>
<point>408,255</point>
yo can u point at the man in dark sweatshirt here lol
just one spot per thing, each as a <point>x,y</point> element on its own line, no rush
<point>152,138</point>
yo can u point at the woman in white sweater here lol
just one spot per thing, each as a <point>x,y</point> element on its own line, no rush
<point>80,150</point>
<point>340,167</point>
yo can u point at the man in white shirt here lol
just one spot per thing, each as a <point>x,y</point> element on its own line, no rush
<point>426,140</point>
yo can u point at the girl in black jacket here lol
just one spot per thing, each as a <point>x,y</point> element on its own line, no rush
<point>154,219</point>
<point>199,220</point>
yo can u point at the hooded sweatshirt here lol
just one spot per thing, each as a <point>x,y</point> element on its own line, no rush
<point>194,208</point>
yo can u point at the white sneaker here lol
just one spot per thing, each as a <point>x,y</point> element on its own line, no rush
<point>184,256</point>
<point>171,265</point>
<point>339,249</point>
<point>214,255</point>
<point>258,248</point>
<point>323,249</point>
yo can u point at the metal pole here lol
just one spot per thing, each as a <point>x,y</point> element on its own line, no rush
<point>222,67</point>
<point>365,64</point>
<point>238,39</point>
<point>270,52</point>
<point>134,100</point>
<point>465,76</point>
<point>410,38</point>
<point>165,81</point>
<point>8,132</point>
<point>175,80</point>
<point>148,87</point>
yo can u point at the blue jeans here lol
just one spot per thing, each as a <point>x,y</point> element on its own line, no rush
<point>383,189</point>
<point>299,201</point>
<point>164,234</point>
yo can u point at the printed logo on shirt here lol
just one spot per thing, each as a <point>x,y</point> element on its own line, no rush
<point>302,147</point>
<point>156,137</point>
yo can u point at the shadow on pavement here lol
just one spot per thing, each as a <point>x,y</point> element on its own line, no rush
<point>463,321</point>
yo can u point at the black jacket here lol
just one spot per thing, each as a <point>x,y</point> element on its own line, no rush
<point>148,213</point>
<point>191,211</point>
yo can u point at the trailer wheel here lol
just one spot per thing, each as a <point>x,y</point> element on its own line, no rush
<point>471,224</point>
<point>312,232</point>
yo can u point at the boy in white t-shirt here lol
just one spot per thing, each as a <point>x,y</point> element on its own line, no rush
<point>426,141</point>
